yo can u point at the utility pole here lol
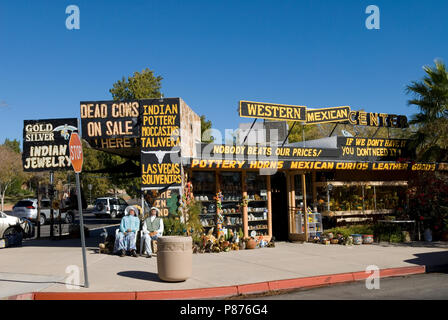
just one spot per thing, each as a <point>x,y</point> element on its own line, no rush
<point>51,196</point>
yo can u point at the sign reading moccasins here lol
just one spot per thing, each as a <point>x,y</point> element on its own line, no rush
<point>45,144</point>
<point>160,143</point>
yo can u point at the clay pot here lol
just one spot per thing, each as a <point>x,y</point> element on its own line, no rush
<point>444,236</point>
<point>367,239</point>
<point>334,241</point>
<point>251,244</point>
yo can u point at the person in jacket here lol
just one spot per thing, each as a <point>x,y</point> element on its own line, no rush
<point>152,229</point>
<point>129,226</point>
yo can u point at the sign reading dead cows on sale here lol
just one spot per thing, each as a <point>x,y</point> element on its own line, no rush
<point>45,144</point>
<point>160,143</point>
<point>109,119</point>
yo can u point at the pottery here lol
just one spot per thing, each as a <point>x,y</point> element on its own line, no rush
<point>367,239</point>
<point>251,244</point>
<point>334,241</point>
<point>357,239</point>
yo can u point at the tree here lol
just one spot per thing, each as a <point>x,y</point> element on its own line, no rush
<point>14,145</point>
<point>142,85</point>
<point>206,125</point>
<point>10,170</point>
<point>431,98</point>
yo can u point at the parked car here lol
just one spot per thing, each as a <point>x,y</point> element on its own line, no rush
<point>110,206</point>
<point>10,225</point>
<point>27,208</point>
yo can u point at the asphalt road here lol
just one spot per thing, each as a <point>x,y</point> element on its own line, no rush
<point>90,221</point>
<point>430,286</point>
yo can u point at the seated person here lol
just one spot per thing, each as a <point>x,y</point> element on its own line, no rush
<point>152,229</point>
<point>128,230</point>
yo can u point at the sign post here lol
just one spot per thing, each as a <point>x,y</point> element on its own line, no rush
<point>76,158</point>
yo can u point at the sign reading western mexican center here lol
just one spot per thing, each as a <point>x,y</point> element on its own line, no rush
<point>160,143</point>
<point>280,112</point>
<point>272,111</point>
<point>45,144</point>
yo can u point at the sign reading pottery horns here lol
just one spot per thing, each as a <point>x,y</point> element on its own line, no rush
<point>45,144</point>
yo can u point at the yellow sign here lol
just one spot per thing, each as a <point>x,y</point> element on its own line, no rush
<point>326,115</point>
<point>272,111</point>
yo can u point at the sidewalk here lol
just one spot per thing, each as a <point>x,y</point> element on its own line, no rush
<point>20,267</point>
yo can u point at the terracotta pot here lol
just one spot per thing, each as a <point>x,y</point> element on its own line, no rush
<point>251,244</point>
<point>444,236</point>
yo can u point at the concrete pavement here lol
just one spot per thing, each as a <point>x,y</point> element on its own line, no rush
<point>110,273</point>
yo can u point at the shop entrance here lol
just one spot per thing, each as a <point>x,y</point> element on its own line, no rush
<point>279,207</point>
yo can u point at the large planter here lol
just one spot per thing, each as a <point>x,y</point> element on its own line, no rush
<point>174,258</point>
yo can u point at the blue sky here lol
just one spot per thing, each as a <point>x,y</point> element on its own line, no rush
<point>215,53</point>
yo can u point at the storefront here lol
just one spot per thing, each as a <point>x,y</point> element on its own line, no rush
<point>269,189</point>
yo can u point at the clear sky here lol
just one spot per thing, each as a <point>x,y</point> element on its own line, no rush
<point>214,53</point>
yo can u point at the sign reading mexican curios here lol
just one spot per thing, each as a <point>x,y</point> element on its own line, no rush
<point>160,143</point>
<point>272,111</point>
<point>45,144</point>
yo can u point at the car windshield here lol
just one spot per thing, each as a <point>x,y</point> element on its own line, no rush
<point>98,201</point>
<point>24,203</point>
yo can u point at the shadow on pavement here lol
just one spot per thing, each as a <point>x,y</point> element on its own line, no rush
<point>416,244</point>
<point>140,275</point>
<point>434,261</point>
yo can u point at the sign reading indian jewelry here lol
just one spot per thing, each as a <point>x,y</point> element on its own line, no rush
<point>45,144</point>
<point>272,111</point>
<point>160,143</point>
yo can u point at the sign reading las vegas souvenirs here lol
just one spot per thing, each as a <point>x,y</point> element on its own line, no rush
<point>160,143</point>
<point>45,144</point>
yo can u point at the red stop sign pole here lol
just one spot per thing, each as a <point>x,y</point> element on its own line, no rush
<point>76,158</point>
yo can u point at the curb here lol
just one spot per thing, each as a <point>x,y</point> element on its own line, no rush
<point>223,292</point>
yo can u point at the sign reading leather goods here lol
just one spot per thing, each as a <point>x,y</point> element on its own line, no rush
<point>45,144</point>
<point>326,115</point>
<point>272,111</point>
<point>160,143</point>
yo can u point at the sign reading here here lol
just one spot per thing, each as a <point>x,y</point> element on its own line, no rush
<point>271,111</point>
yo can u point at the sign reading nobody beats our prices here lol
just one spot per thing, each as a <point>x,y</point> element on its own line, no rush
<point>160,140</point>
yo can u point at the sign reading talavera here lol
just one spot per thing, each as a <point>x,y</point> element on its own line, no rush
<point>272,111</point>
<point>161,143</point>
<point>45,144</point>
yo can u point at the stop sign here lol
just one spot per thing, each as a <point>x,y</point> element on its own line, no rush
<point>75,148</point>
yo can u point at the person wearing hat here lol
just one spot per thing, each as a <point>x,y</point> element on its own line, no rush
<point>129,226</point>
<point>152,229</point>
